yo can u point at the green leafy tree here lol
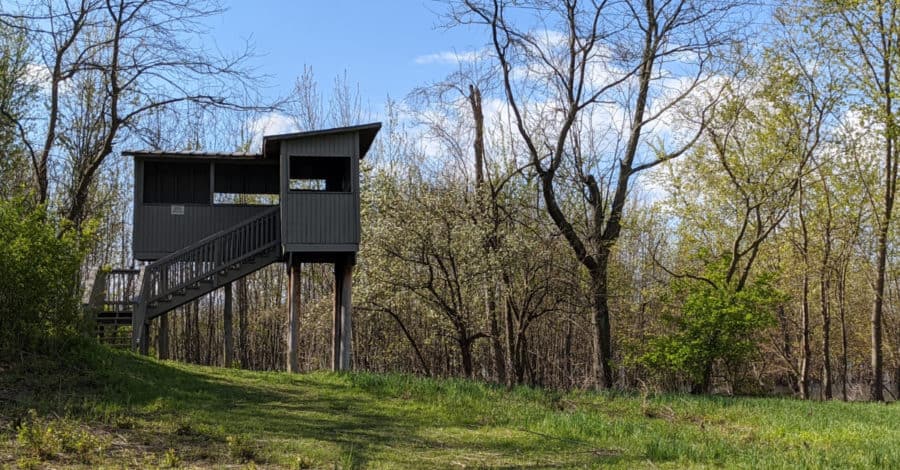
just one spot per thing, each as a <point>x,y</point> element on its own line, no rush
<point>17,91</point>
<point>38,279</point>
<point>718,324</point>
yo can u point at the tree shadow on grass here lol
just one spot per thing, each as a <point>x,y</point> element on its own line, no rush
<point>165,405</point>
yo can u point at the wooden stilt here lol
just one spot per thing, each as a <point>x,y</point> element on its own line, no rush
<point>336,320</point>
<point>144,345</point>
<point>228,341</point>
<point>346,315</point>
<point>293,362</point>
<point>162,338</point>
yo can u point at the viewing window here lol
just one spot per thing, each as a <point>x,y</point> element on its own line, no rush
<point>320,174</point>
<point>308,185</point>
<point>246,184</point>
<point>176,183</point>
<point>245,199</point>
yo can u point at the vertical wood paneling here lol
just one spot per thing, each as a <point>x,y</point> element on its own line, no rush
<point>156,230</point>
<point>320,218</point>
<point>322,146</point>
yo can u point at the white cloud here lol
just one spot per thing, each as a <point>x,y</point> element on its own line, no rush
<point>269,124</point>
<point>36,74</point>
<point>449,57</point>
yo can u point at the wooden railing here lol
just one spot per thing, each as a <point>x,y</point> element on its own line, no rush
<point>203,260</point>
<point>111,290</point>
<point>120,288</point>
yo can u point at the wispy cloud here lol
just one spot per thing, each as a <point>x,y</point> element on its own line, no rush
<point>449,57</point>
<point>269,124</point>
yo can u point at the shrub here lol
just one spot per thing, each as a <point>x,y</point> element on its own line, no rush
<point>240,449</point>
<point>38,278</point>
<point>719,324</point>
<point>48,439</point>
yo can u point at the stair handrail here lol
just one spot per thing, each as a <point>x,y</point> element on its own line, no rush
<point>265,232</point>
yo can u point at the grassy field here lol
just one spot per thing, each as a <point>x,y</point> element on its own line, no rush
<point>115,409</point>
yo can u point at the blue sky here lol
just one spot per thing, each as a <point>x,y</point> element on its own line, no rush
<point>385,46</point>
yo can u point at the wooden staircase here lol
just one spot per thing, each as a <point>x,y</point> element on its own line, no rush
<point>136,297</point>
<point>109,300</point>
<point>203,267</point>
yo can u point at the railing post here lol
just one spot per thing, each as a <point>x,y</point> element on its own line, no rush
<point>138,335</point>
<point>164,280</point>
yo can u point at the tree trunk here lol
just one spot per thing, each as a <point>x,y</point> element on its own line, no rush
<point>705,384</point>
<point>465,351</point>
<point>804,338</point>
<point>600,324</point>
<point>890,181</point>
<point>510,347</point>
<point>567,354</point>
<point>786,347</point>
<point>496,345</point>
<point>824,290</point>
<point>877,382</point>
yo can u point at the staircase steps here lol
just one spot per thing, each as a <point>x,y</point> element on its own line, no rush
<point>123,297</point>
<point>205,266</point>
<point>109,300</point>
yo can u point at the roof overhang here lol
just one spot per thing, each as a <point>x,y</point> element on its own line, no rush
<point>271,145</point>
<point>190,154</point>
<point>367,133</point>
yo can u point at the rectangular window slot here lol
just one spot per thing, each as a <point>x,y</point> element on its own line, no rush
<point>330,174</point>
<point>245,199</point>
<point>308,185</point>
<point>176,183</point>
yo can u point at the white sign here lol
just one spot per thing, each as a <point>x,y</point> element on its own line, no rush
<point>177,210</point>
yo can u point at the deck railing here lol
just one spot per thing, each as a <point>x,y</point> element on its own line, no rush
<point>204,259</point>
<point>120,288</point>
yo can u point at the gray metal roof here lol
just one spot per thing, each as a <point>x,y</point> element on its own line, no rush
<point>367,133</point>
<point>190,153</point>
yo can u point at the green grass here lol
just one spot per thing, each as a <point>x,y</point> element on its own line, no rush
<point>107,408</point>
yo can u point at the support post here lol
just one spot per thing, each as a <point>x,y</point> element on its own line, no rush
<point>336,320</point>
<point>162,338</point>
<point>144,346</point>
<point>228,341</point>
<point>346,315</point>
<point>293,362</point>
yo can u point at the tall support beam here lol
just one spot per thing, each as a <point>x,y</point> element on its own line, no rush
<point>293,337</point>
<point>162,338</point>
<point>337,319</point>
<point>346,315</point>
<point>144,342</point>
<point>228,341</point>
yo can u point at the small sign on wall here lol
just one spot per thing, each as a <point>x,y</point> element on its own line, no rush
<point>177,210</point>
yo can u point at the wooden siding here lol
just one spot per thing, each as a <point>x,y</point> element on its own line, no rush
<point>320,221</point>
<point>339,145</point>
<point>158,232</point>
<point>320,218</point>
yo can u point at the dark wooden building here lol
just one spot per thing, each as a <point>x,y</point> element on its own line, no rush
<point>203,220</point>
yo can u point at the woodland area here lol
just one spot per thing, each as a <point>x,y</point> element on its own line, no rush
<point>681,195</point>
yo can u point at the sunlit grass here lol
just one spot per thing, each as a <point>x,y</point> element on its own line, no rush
<point>151,413</point>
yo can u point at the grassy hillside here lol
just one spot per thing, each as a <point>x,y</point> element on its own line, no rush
<point>117,409</point>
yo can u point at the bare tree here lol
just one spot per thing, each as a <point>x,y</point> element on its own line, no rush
<point>124,59</point>
<point>563,64</point>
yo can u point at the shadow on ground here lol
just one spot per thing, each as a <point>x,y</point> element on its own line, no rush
<point>321,417</point>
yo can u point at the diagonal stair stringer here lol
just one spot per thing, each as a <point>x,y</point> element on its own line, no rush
<point>203,267</point>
